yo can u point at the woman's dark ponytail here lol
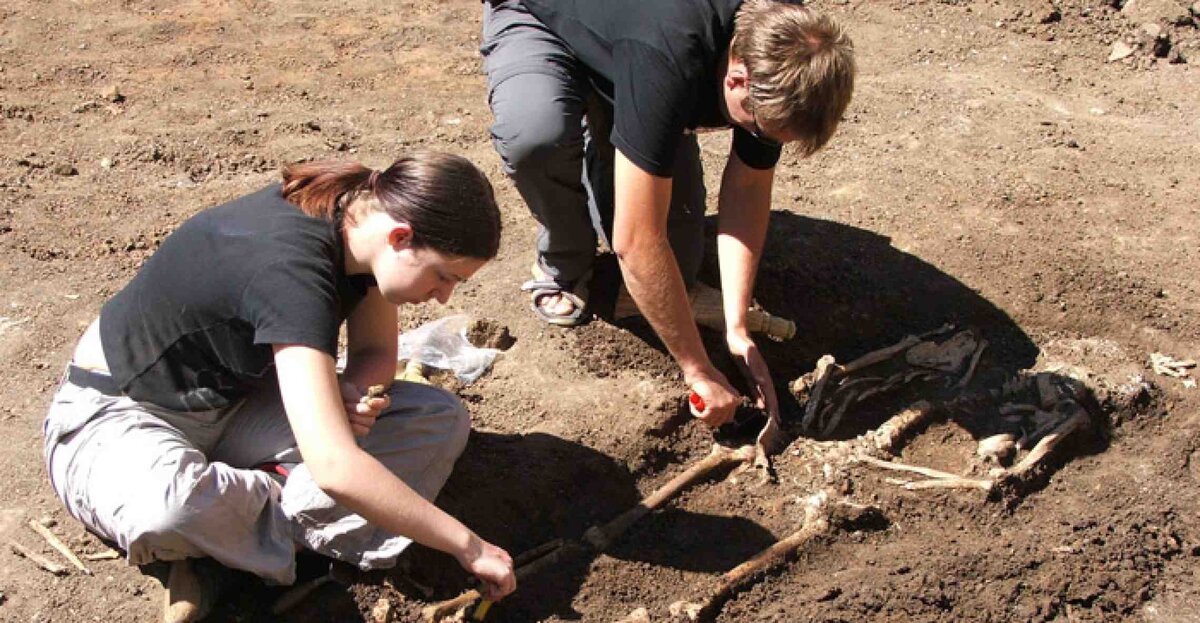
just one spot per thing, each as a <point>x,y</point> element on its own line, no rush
<point>447,201</point>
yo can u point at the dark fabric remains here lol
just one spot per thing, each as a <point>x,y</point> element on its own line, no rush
<point>194,329</point>
<point>656,63</point>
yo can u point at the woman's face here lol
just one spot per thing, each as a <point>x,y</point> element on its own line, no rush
<point>417,275</point>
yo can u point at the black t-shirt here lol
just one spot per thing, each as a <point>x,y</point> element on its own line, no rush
<point>656,61</point>
<point>193,330</point>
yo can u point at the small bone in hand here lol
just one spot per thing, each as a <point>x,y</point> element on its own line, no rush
<point>376,391</point>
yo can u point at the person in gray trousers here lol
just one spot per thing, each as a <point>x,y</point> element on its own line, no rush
<point>203,416</point>
<point>597,106</point>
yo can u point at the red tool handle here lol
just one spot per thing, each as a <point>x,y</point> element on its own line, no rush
<point>697,402</point>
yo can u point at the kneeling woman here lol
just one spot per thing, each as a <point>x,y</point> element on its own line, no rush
<point>219,357</point>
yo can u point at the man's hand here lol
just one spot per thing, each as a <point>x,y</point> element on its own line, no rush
<point>361,409</point>
<point>720,399</point>
<point>492,565</point>
<point>750,361</point>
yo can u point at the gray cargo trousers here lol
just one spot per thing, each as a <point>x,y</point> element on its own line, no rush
<point>167,485</point>
<point>551,130</point>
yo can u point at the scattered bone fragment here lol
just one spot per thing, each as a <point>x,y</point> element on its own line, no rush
<point>1165,365</point>
<point>888,435</point>
<point>1077,420</point>
<point>970,373</point>
<point>37,559</point>
<point>948,356</point>
<point>937,479</point>
<point>816,522</point>
<point>59,546</point>
<point>771,440</point>
<point>882,355</point>
<point>382,611</point>
<point>1120,50</point>
<point>888,352</point>
<point>109,554</point>
<point>685,609</point>
<point>639,615</point>
<point>601,537</point>
<point>955,482</point>
<point>997,448</point>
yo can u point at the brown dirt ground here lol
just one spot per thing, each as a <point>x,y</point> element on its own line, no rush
<point>995,169</point>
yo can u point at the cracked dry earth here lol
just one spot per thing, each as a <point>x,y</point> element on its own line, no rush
<point>1025,169</point>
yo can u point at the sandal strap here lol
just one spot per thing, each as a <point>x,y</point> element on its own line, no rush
<point>546,284</point>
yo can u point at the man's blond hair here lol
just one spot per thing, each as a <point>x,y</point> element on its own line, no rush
<point>800,65</point>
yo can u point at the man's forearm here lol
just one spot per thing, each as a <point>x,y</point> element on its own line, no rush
<point>744,209</point>
<point>648,263</point>
<point>656,285</point>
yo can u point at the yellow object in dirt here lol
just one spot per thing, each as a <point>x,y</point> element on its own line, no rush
<point>414,372</point>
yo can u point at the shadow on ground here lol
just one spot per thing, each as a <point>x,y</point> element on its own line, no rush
<point>517,491</point>
<point>849,291</point>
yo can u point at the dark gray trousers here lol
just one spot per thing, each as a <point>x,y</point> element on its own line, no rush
<point>551,130</point>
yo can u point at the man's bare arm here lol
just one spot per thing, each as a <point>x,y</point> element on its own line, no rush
<point>642,202</point>
<point>744,206</point>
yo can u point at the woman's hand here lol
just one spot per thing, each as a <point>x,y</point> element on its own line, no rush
<point>492,565</point>
<point>361,409</point>
<point>750,361</point>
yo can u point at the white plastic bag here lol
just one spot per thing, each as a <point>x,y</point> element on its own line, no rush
<point>443,343</point>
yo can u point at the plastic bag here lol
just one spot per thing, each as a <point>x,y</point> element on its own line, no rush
<point>443,343</point>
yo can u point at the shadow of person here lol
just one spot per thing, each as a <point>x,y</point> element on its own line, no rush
<point>849,291</point>
<point>521,491</point>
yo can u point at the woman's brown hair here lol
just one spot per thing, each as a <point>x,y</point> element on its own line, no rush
<point>447,201</point>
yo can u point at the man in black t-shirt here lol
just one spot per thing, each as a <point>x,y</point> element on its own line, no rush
<point>596,108</point>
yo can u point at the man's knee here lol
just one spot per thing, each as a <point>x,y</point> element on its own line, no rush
<point>535,126</point>
<point>531,144</point>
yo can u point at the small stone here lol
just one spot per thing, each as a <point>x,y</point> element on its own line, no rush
<point>106,163</point>
<point>1195,9</point>
<point>639,615</point>
<point>1120,50</point>
<point>113,94</point>
<point>1050,15</point>
<point>1152,30</point>
<point>382,612</point>
<point>64,170</point>
<point>48,521</point>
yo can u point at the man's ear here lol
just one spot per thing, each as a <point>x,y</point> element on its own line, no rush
<point>400,236</point>
<point>736,75</point>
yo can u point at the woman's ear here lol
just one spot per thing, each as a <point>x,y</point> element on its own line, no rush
<point>400,236</point>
